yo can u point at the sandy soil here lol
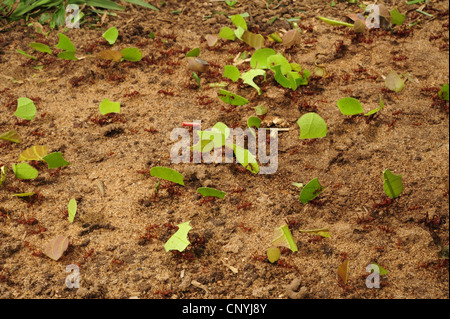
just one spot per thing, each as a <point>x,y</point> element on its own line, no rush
<point>117,239</point>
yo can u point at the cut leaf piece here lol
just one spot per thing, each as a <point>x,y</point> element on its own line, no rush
<point>55,160</point>
<point>227,34</point>
<point>3,171</point>
<point>41,47</point>
<point>261,110</point>
<point>193,53</point>
<point>25,109</point>
<point>444,92</point>
<point>168,174</point>
<point>26,54</point>
<point>112,55</point>
<point>179,241</point>
<point>312,126</point>
<point>231,72</point>
<point>311,191</point>
<point>273,254</point>
<point>22,195</point>
<point>68,55</point>
<point>250,75</point>
<point>393,185</point>
<point>34,153</point>
<point>259,58</point>
<point>279,59</point>
<point>343,271</point>
<point>252,39</point>
<point>11,136</point>
<point>283,237</point>
<point>132,54</point>
<point>231,98</point>
<point>107,107</point>
<point>350,106</point>
<point>239,21</point>
<point>254,121</point>
<point>56,247</point>
<point>72,209</point>
<point>396,17</point>
<point>245,158</point>
<point>111,35</point>
<point>324,232</point>
<point>376,110</point>
<point>24,171</point>
<point>394,82</point>
<point>208,192</point>
<point>334,22</point>
<point>292,37</point>
<point>65,44</point>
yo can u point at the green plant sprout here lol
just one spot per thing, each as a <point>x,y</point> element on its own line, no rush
<point>211,192</point>
<point>26,109</point>
<point>167,174</point>
<point>311,190</point>
<point>283,237</point>
<point>107,107</point>
<point>179,241</point>
<point>111,35</point>
<point>24,171</point>
<point>393,185</point>
<point>11,136</point>
<point>312,126</point>
<point>72,209</point>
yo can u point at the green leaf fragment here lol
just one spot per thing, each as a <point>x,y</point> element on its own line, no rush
<point>25,109</point>
<point>283,237</point>
<point>22,195</point>
<point>239,21</point>
<point>193,53</point>
<point>396,17</point>
<point>179,241</point>
<point>3,171</point>
<point>311,191</point>
<point>167,174</point>
<point>68,55</point>
<point>72,209</point>
<point>24,171</point>
<point>26,54</point>
<point>249,76</point>
<point>65,44</point>
<point>245,158</point>
<point>107,107</point>
<point>335,22</point>
<point>34,153</point>
<point>444,92</point>
<point>11,136</point>
<point>132,54</point>
<point>273,254</point>
<point>208,192</point>
<point>324,232</point>
<point>259,58</point>
<point>350,106</point>
<point>227,34</point>
<point>41,47</point>
<point>232,72</point>
<point>312,126</point>
<point>55,160</point>
<point>393,185</point>
<point>232,98</point>
<point>111,35</point>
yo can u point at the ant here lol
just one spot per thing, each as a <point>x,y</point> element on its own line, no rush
<point>170,93</point>
<point>245,206</point>
<point>208,199</point>
<point>386,202</point>
<point>433,222</point>
<point>245,228</point>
